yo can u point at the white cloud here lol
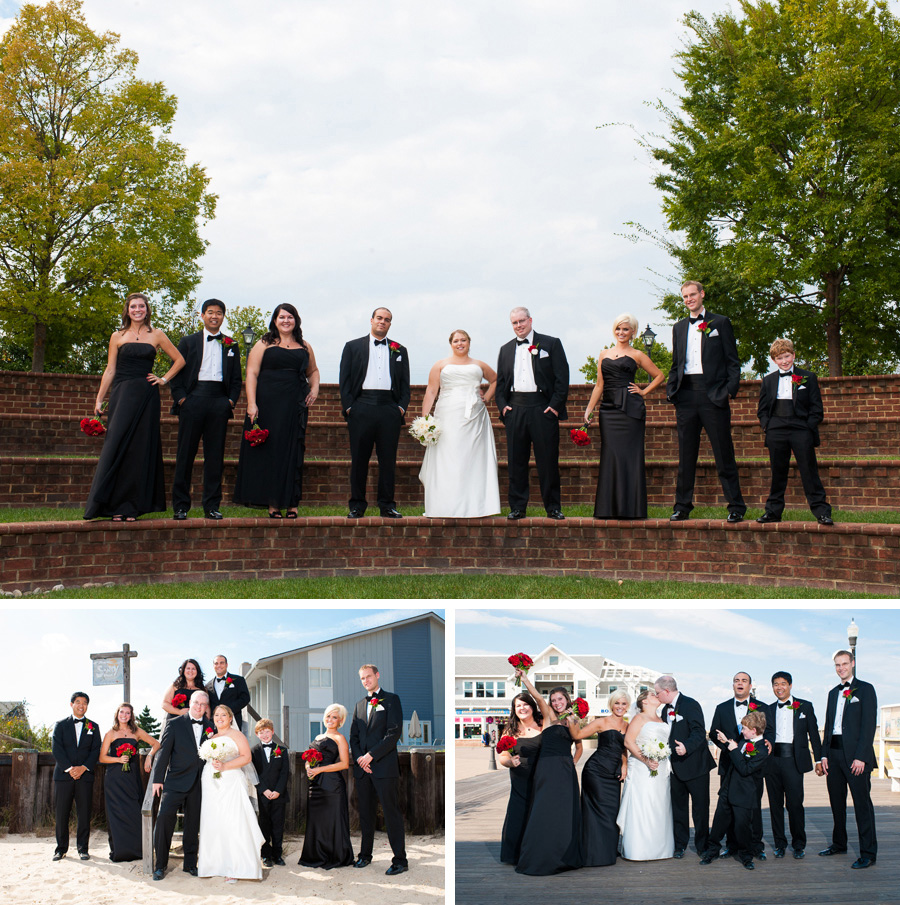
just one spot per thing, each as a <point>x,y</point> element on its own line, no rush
<point>509,623</point>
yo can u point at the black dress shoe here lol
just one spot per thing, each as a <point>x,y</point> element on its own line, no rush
<point>827,520</point>
<point>862,863</point>
<point>279,862</point>
<point>748,865</point>
<point>769,518</point>
<point>58,856</point>
<point>831,850</point>
<point>390,513</point>
<point>679,515</point>
<point>158,874</point>
<point>725,853</point>
<point>267,862</point>
<point>362,862</point>
<point>679,853</point>
<point>778,852</point>
<point>733,519</point>
<point>84,856</point>
<point>356,513</point>
<point>708,858</point>
<point>214,514</point>
<point>180,515</point>
<point>191,870</point>
<point>395,869</point>
<point>516,514</point>
<point>555,514</point>
<point>799,853</point>
<point>761,856</point>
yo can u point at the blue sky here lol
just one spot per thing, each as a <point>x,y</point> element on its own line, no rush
<point>46,653</point>
<point>704,648</point>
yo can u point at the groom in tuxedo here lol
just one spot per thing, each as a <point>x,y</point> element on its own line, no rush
<point>691,763</point>
<point>374,385</point>
<point>76,748</point>
<point>228,689</point>
<point>532,388</point>
<point>176,774</point>
<point>374,733</point>
<point>205,392</point>
<point>705,372</point>
<point>848,758</point>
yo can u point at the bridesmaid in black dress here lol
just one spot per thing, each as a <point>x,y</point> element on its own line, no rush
<point>282,383</point>
<point>129,478</point>
<point>327,840</point>
<point>177,699</point>
<point>601,782</point>
<point>524,725</point>
<point>123,788</point>
<point>551,842</point>
<point>622,484</point>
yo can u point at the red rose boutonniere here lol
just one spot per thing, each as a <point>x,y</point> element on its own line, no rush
<point>704,326</point>
<point>534,349</point>
<point>376,702</point>
<point>520,661</point>
<point>209,732</point>
<point>180,701</point>
<point>225,341</point>
<point>394,347</point>
<point>750,750</point>
<point>89,727</point>
<point>506,743</point>
<point>797,379</point>
<point>277,752</point>
<point>795,705</point>
<point>848,694</point>
<point>229,681</point>
<point>752,706</point>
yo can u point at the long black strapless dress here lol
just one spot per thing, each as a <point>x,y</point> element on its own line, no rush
<point>551,842</point>
<point>129,476</point>
<point>622,484</point>
<point>327,840</point>
<point>271,475</point>
<point>520,788</point>
<point>600,790</point>
<point>124,793</point>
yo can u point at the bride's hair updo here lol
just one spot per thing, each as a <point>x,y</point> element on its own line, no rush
<point>227,710</point>
<point>639,703</point>
<point>468,338</point>
<point>513,723</point>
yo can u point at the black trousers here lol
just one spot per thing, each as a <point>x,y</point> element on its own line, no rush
<point>271,824</point>
<point>81,792</point>
<point>781,442</point>
<point>370,790</point>
<point>206,418</point>
<point>784,784</point>
<point>741,822</point>
<point>756,826</point>
<point>839,778</point>
<point>527,426</point>
<point>693,413</point>
<point>169,804</point>
<point>697,790</point>
<point>373,426</point>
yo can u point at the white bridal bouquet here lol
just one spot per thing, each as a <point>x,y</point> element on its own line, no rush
<point>217,749</point>
<point>655,750</point>
<point>426,430</point>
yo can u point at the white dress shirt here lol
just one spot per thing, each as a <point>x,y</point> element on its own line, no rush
<point>785,388</point>
<point>784,722</point>
<point>839,713</point>
<point>523,376</point>
<point>378,373</point>
<point>692,360</point>
<point>211,366</point>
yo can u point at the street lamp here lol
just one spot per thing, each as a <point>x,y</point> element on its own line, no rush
<point>647,338</point>
<point>852,636</point>
<point>249,336</point>
<point>492,759</point>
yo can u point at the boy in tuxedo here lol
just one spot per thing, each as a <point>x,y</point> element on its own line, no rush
<point>790,411</point>
<point>741,790</point>
<point>273,768</point>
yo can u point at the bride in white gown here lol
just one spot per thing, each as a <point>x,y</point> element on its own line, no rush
<point>645,813</point>
<point>230,838</point>
<point>460,471</point>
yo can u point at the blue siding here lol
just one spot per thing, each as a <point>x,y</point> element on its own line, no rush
<point>413,669</point>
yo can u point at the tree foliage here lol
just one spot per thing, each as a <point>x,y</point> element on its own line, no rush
<point>659,355</point>
<point>95,199</point>
<point>782,175</point>
<point>151,726</point>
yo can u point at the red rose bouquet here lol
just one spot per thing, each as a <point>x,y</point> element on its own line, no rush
<point>93,427</point>
<point>180,700</point>
<point>313,757</point>
<point>506,743</point>
<point>580,708</point>
<point>257,435</point>
<point>520,661</point>
<point>580,436</point>
<point>127,750</point>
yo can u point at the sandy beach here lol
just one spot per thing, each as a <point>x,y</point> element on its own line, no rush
<point>28,876</point>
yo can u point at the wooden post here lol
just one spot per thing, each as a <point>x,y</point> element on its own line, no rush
<point>22,790</point>
<point>423,805</point>
<point>147,826</point>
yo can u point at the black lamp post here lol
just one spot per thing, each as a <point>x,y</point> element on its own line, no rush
<point>647,338</point>
<point>249,336</point>
<point>852,636</point>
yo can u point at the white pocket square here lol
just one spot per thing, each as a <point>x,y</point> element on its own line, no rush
<point>231,353</point>
<point>713,333</point>
<point>801,388</point>
<point>399,358</point>
<point>852,701</point>
<point>543,354</point>
<point>802,716</point>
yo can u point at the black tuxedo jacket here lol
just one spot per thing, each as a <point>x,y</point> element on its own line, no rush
<point>177,763</point>
<point>690,730</point>
<point>723,719</point>
<point>745,775</point>
<point>191,347</point>
<point>807,400</point>
<point>858,723</point>
<point>718,353</point>
<point>274,774</point>
<point>355,363</point>
<point>377,736</point>
<point>551,373</point>
<point>85,753</point>
<point>236,696</point>
<point>806,733</point>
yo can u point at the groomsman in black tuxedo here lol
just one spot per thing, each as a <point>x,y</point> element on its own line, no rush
<point>848,758</point>
<point>532,388</point>
<point>205,392</point>
<point>727,720</point>
<point>273,767</point>
<point>228,689</point>
<point>374,385</point>
<point>76,748</point>
<point>691,763</point>
<point>705,371</point>
<point>374,733</point>
<point>790,411</point>
<point>795,730</point>
<point>176,775</point>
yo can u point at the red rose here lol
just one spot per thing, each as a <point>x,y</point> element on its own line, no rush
<point>93,427</point>
<point>751,748</point>
<point>580,437</point>
<point>229,681</point>
<point>209,731</point>
<point>395,347</point>
<point>277,752</point>
<point>753,706</point>
<point>582,708</point>
<point>179,700</point>
<point>227,341</point>
<point>533,349</point>
<point>795,705</point>
<point>312,756</point>
<point>506,743</point>
<point>257,435</point>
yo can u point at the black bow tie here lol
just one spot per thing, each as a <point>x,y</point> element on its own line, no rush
<point>209,339</point>
<point>371,697</point>
<point>786,374</point>
<point>380,342</point>
<point>521,342</point>
<point>78,721</point>
<point>845,685</point>
<point>695,320</point>
<point>784,704</point>
<point>197,722</point>
<point>741,703</point>
<point>269,745</point>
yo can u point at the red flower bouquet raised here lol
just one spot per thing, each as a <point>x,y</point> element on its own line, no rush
<point>257,435</point>
<point>126,749</point>
<point>506,743</point>
<point>520,661</point>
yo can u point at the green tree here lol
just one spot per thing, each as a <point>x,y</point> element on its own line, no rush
<point>95,199</point>
<point>15,731</point>
<point>782,176</point>
<point>148,724</point>
<point>243,316</point>
<point>659,355</point>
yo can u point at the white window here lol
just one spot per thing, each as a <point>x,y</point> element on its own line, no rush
<point>582,689</point>
<point>467,689</point>
<point>315,728</point>
<point>319,677</point>
<point>554,660</point>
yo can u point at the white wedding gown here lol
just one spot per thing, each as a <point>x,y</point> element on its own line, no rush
<point>645,813</point>
<point>230,839</point>
<point>460,471</point>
